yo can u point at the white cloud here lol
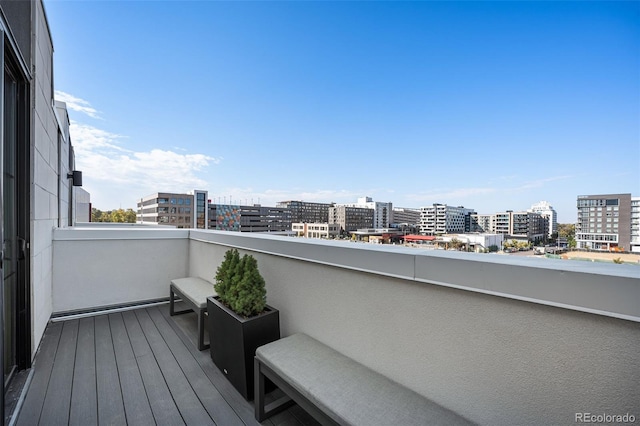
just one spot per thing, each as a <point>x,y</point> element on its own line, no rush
<point>105,163</point>
<point>76,104</point>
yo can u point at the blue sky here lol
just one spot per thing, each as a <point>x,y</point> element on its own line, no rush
<point>489,105</point>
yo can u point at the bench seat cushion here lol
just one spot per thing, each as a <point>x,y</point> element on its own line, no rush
<point>195,289</point>
<point>347,391</point>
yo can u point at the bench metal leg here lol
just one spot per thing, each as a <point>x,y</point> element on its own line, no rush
<point>292,396</point>
<point>258,394</point>
<point>263,412</point>
<point>201,319</point>
<point>172,296</point>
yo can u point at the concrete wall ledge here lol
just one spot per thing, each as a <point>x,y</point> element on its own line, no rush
<point>604,289</point>
<point>118,233</point>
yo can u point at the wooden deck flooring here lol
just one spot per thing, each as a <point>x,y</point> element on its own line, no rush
<point>138,367</point>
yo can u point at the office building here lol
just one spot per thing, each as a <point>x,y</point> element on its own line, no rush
<point>306,212</point>
<point>382,212</point>
<point>604,222</point>
<point>351,218</point>
<point>174,209</point>
<point>167,208</point>
<point>404,216</point>
<point>254,218</point>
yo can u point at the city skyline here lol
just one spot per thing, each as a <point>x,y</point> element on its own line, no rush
<point>492,106</point>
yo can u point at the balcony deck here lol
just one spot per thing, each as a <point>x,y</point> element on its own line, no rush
<point>134,367</point>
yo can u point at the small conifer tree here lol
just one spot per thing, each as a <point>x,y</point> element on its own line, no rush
<point>224,274</point>
<point>240,285</point>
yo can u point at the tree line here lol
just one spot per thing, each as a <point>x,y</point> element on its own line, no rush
<point>119,215</point>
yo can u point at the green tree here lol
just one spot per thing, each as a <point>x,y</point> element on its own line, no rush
<point>456,244</point>
<point>96,215</point>
<point>119,215</point>
<point>493,248</point>
<point>566,230</point>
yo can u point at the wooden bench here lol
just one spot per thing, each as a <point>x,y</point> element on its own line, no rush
<point>194,292</point>
<point>336,389</point>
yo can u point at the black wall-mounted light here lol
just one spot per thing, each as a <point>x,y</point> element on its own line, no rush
<point>76,175</point>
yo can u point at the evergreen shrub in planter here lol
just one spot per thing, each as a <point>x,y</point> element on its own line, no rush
<point>239,319</point>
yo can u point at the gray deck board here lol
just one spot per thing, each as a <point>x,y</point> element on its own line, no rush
<point>135,367</point>
<point>162,405</point>
<point>84,400</point>
<point>55,410</point>
<point>187,401</point>
<point>43,365</point>
<point>244,410</point>
<point>110,403</point>
<point>210,397</point>
<point>134,395</point>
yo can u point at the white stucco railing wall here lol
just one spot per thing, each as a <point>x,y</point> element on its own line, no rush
<point>98,267</point>
<point>498,339</point>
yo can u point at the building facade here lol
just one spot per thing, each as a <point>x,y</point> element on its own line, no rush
<point>604,222</point>
<point>440,219</point>
<point>518,225</point>
<point>306,212</point>
<point>404,216</point>
<point>635,224</point>
<point>382,212</point>
<point>316,230</point>
<point>200,209</point>
<point>167,208</point>
<point>483,223</point>
<point>528,225</point>
<point>254,218</point>
<point>351,218</point>
<point>38,176</point>
<point>546,210</point>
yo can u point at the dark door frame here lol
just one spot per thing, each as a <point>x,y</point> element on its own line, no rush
<point>11,62</point>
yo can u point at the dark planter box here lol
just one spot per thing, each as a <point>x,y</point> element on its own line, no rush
<point>234,340</point>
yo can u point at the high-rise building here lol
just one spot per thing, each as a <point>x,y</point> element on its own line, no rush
<point>441,219</point>
<point>382,212</point>
<point>546,210</point>
<point>406,216</point>
<point>604,222</point>
<point>351,218</point>
<point>306,212</point>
